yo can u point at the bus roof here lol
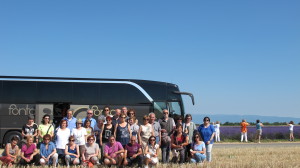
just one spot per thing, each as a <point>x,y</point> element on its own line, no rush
<point>81,79</point>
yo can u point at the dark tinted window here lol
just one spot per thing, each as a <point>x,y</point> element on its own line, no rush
<point>50,92</point>
<point>86,93</point>
<point>19,92</point>
<point>1,91</point>
<point>158,91</point>
<point>173,96</point>
<point>121,94</point>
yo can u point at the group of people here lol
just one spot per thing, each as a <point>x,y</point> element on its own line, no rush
<point>112,140</point>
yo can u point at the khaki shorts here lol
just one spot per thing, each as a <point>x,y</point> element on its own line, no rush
<point>259,132</point>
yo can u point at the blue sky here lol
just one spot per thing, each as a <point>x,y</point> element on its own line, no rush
<point>236,57</point>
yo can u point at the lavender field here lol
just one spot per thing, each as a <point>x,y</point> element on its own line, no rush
<point>268,132</point>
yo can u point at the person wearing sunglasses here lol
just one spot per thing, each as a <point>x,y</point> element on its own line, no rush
<point>45,128</point>
<point>122,131</point>
<point>72,152</point>
<point>198,149</point>
<point>146,130</point>
<point>131,113</point>
<point>207,132</point>
<point>133,153</point>
<point>89,116</point>
<point>167,125</point>
<point>151,152</point>
<point>80,135</point>
<point>48,152</point>
<point>91,151</point>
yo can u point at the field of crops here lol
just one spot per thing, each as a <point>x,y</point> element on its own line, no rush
<point>269,132</point>
<point>247,157</point>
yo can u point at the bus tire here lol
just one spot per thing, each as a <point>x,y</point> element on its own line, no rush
<point>11,134</point>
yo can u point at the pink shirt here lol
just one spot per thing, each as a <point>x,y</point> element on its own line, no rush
<point>111,150</point>
<point>28,151</point>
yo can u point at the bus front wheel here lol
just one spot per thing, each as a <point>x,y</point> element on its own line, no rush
<point>8,136</point>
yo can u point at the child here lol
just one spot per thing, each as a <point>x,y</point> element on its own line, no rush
<point>134,127</point>
<point>87,126</point>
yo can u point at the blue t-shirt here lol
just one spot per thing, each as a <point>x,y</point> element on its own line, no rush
<point>258,126</point>
<point>46,152</point>
<point>71,123</point>
<point>206,133</point>
<point>197,147</point>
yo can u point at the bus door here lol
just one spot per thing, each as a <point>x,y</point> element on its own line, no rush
<point>174,109</point>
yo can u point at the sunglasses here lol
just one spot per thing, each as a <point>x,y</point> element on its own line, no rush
<point>71,140</point>
<point>206,120</point>
<point>106,110</point>
<point>131,113</point>
<point>90,139</point>
<point>196,136</point>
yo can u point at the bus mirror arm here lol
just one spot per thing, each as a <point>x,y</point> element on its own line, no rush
<point>186,93</point>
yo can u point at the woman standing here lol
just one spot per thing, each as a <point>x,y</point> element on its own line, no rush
<point>72,152</point>
<point>45,128</point>
<point>179,141</point>
<point>258,130</point>
<point>79,134</point>
<point>145,131</point>
<point>61,137</point>
<point>207,133</point>
<point>217,129</point>
<point>10,152</point>
<point>198,149</point>
<point>122,131</point>
<point>291,128</point>
<point>107,130</point>
<point>189,127</point>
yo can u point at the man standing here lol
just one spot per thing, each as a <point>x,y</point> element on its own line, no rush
<point>70,119</point>
<point>156,127</point>
<point>115,119</point>
<point>167,125</point>
<point>133,153</point>
<point>89,116</point>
